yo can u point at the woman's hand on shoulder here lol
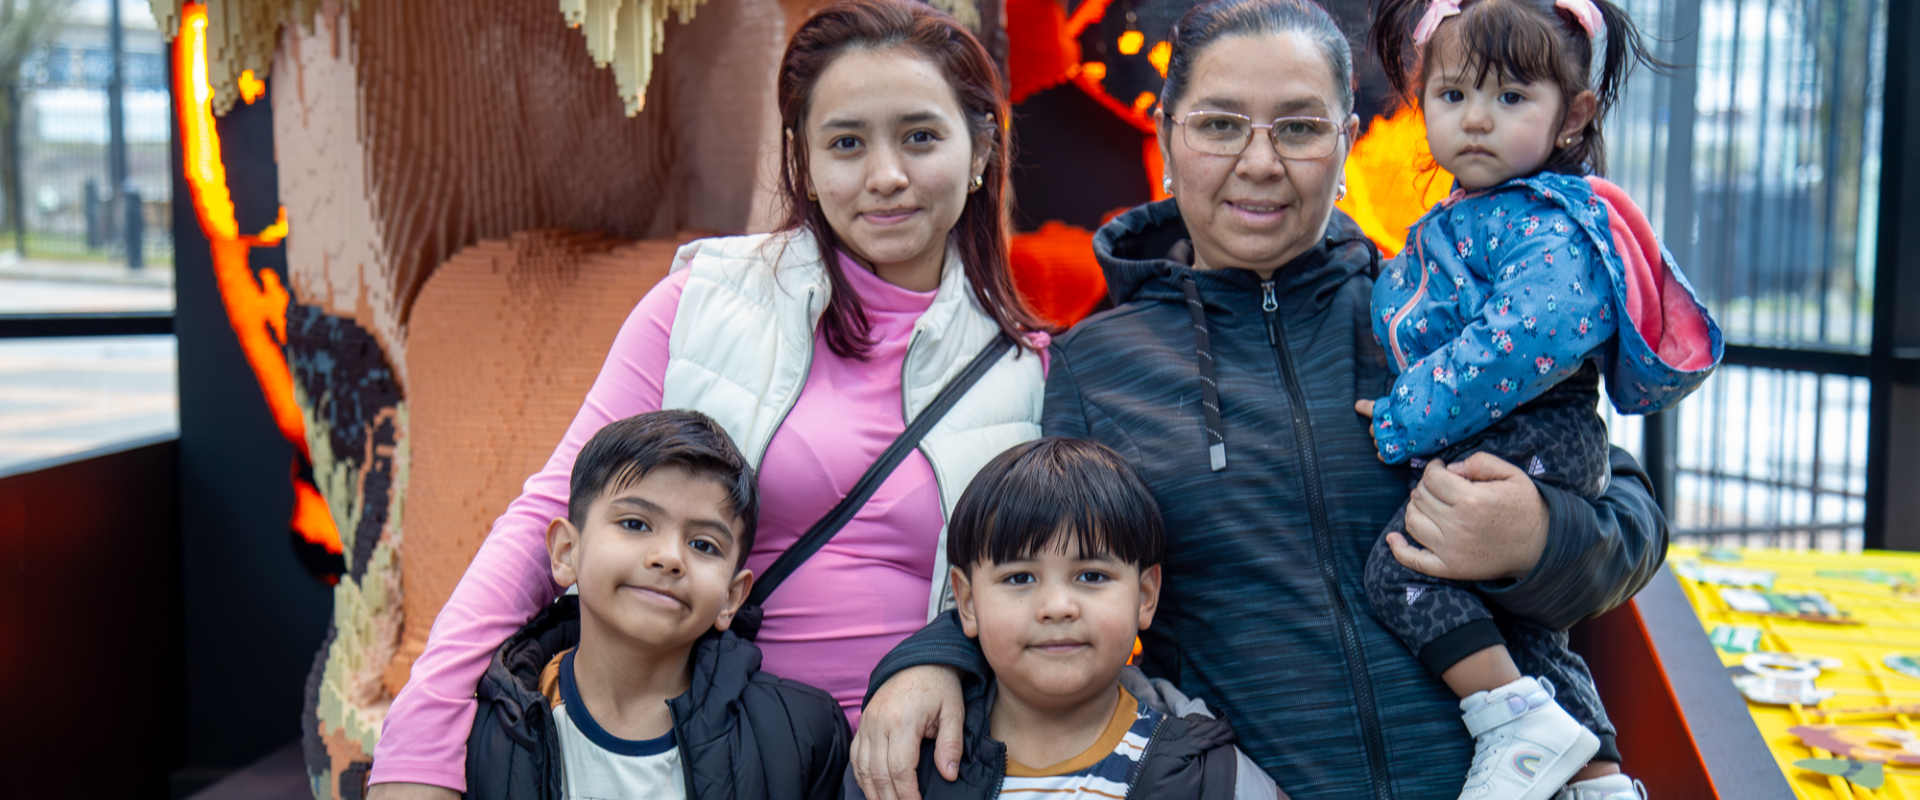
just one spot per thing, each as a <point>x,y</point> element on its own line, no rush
<point>919,703</point>
<point>1480,519</point>
<point>411,791</point>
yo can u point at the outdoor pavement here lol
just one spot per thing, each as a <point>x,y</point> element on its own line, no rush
<point>59,397</point>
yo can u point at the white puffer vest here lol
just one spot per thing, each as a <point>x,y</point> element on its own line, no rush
<point>742,346</point>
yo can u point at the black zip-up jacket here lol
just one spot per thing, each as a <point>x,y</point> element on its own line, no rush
<point>1264,613</point>
<point>742,733</point>
<point>1189,757</point>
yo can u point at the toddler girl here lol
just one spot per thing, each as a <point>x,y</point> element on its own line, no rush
<point>1511,300</point>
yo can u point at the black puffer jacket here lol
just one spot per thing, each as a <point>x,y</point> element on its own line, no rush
<point>1190,756</point>
<point>742,733</point>
<point>1263,613</point>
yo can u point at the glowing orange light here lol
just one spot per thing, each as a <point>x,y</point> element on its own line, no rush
<point>310,512</point>
<point>256,303</point>
<point>1089,12</point>
<point>1055,272</point>
<point>251,87</point>
<point>1392,180</point>
<point>1095,71</point>
<point>1131,41</point>
<point>1159,56</point>
<point>1143,102</point>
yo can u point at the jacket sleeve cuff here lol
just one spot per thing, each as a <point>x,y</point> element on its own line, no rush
<point>432,774</point>
<point>1390,443</point>
<point>1543,595</point>
<point>941,642</point>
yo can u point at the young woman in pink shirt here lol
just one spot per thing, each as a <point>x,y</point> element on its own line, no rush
<point>814,346</point>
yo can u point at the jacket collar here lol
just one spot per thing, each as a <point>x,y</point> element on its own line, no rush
<point>798,263</point>
<point>723,664</point>
<point>1136,252</point>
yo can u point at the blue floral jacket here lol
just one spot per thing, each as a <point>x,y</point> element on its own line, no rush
<point>1504,292</point>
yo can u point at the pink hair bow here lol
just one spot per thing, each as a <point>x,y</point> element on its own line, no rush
<point>1437,10</point>
<point>1584,11</point>
<point>1587,13</point>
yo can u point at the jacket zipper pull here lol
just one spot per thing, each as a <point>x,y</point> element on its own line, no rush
<point>1269,305</point>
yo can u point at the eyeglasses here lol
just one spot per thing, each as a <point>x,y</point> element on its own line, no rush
<point>1222,133</point>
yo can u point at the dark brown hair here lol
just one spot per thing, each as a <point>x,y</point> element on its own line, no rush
<point>1054,493</point>
<point>1208,22</point>
<point>981,233</point>
<point>623,452</point>
<point>1522,41</point>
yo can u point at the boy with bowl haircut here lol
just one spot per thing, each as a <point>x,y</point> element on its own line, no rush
<point>1055,551</point>
<point>633,687</point>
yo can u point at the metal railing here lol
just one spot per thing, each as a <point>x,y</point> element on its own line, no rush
<point>1760,166</point>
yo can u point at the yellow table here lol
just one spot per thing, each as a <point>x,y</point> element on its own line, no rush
<point>1886,613</point>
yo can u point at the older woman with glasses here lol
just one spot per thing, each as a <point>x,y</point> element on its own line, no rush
<point>1227,373</point>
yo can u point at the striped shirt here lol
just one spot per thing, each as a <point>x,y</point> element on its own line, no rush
<point>1102,771</point>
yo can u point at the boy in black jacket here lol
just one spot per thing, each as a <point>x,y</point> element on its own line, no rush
<point>634,688</point>
<point>1056,549</point>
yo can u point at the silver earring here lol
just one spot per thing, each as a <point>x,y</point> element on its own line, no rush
<point>1340,193</point>
<point>974,185</point>
<point>1166,184</point>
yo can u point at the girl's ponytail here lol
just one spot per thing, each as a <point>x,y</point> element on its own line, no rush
<point>1625,49</point>
<point>1391,37</point>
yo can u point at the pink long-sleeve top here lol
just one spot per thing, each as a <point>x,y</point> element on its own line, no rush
<point>827,625</point>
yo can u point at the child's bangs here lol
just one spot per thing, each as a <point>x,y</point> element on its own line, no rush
<point>1507,41</point>
<point>1031,523</point>
<point>1055,495</point>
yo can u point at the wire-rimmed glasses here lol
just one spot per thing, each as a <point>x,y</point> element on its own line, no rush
<point>1224,133</point>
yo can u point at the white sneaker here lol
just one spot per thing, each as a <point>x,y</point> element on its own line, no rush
<point>1525,746</point>
<point>1610,787</point>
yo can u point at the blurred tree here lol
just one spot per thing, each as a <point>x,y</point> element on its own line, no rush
<point>24,26</point>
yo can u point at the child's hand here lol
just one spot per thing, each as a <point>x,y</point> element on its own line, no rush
<point>1365,407</point>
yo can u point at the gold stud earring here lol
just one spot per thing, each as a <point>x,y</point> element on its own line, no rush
<point>977,182</point>
<point>811,195</point>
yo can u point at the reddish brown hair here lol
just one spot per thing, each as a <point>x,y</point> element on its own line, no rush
<point>1523,41</point>
<point>981,233</point>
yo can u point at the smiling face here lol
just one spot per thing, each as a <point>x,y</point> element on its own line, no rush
<point>1488,129</point>
<point>655,561</point>
<point>890,155</point>
<point>1058,626</point>
<point>1255,210</point>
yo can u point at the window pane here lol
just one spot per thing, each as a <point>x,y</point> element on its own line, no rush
<point>48,287</point>
<point>64,396</point>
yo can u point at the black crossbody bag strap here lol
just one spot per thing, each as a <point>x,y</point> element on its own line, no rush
<point>746,622</point>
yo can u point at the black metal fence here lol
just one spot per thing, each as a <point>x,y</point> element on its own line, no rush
<point>1762,167</point>
<point>67,195</point>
